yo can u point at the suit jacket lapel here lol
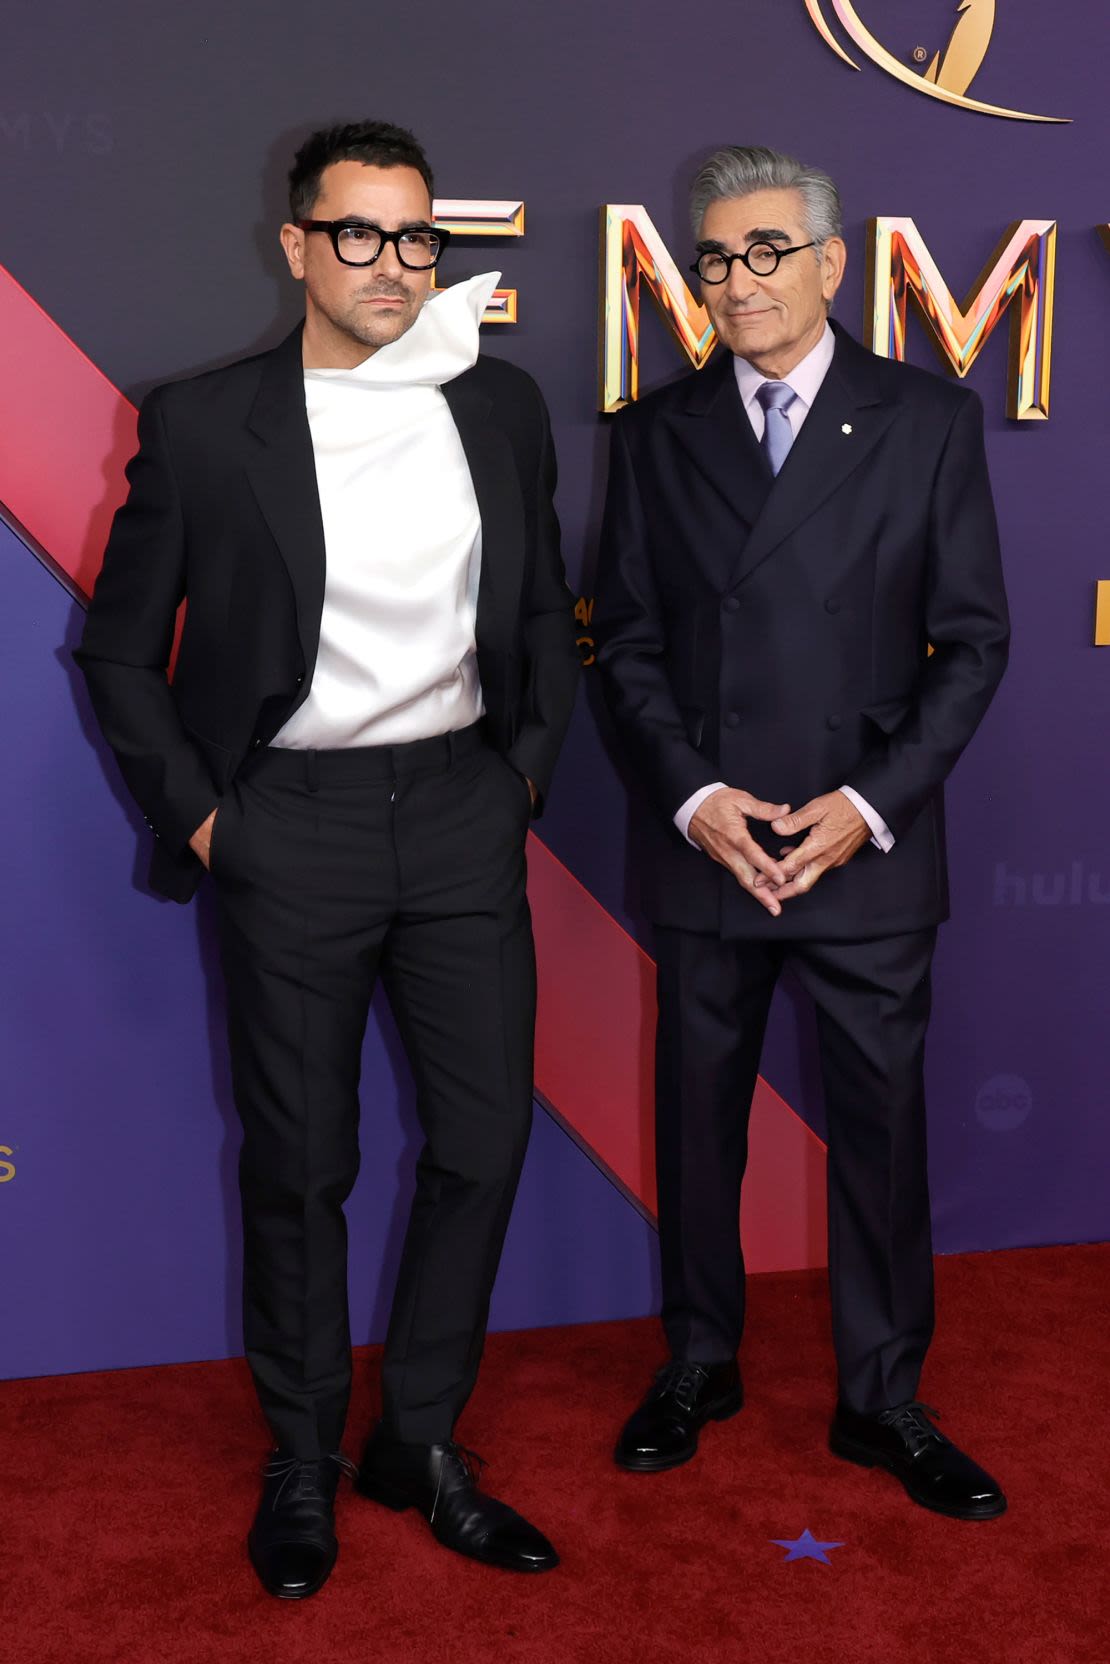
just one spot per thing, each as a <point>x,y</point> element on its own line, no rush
<point>283,477</point>
<point>494,475</point>
<point>714,431</point>
<point>848,418</point>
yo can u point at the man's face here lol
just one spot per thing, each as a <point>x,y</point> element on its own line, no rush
<point>361,307</point>
<point>772,321</point>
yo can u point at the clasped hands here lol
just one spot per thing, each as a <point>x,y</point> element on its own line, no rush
<point>834,826</point>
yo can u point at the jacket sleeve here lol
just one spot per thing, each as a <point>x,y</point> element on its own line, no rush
<point>967,624</point>
<point>632,652</point>
<point>551,663</point>
<point>128,639</point>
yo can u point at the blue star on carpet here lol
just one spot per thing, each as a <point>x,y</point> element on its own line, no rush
<point>805,1547</point>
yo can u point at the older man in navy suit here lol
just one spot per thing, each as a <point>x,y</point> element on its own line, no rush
<point>787,535</point>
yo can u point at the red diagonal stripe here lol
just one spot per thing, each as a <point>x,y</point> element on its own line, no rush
<point>65,436</point>
<point>595,1044</point>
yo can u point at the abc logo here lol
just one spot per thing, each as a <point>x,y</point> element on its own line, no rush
<point>1004,1102</point>
<point>7,1168</point>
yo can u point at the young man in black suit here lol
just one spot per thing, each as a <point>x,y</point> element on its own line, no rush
<point>800,602</point>
<point>375,675</point>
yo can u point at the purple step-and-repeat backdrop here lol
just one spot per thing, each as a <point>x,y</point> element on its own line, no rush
<point>142,155</point>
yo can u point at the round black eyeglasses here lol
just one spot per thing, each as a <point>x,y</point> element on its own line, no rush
<point>713,265</point>
<point>356,243</point>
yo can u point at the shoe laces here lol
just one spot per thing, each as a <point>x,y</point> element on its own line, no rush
<point>910,1422</point>
<point>679,1380</point>
<point>460,1458</point>
<point>302,1478</point>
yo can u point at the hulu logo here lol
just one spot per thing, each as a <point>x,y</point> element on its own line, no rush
<point>1073,886</point>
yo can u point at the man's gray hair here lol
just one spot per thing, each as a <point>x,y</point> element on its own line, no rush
<point>737,170</point>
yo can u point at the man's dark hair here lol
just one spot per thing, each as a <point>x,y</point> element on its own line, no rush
<point>377,144</point>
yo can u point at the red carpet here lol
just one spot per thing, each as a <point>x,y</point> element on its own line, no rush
<point>126,1498</point>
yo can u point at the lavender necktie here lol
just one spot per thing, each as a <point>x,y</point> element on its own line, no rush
<point>778,436</point>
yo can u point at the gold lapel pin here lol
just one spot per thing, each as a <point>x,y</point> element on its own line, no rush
<point>846,428</point>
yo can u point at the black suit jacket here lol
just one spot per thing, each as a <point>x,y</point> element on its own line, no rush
<point>223,510</point>
<point>775,634</point>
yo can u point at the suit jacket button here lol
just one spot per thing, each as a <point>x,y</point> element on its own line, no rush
<point>732,720</point>
<point>833,722</point>
<point>832,604</point>
<point>730,604</point>
<point>255,744</point>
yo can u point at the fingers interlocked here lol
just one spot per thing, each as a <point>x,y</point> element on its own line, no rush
<point>720,827</point>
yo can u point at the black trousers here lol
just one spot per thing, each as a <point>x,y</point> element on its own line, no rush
<point>872,1003</point>
<point>332,868</point>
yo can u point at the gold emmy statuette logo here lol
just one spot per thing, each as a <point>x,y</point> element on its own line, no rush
<point>947,74</point>
<point>7,1168</point>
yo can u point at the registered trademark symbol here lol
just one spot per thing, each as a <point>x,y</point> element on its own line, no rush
<point>919,54</point>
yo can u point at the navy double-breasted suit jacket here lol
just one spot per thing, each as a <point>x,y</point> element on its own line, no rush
<point>776,633</point>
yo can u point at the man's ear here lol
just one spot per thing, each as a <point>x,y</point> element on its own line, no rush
<point>292,243</point>
<point>834,258</point>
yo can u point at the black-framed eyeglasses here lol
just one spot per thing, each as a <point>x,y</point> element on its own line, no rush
<point>357,243</point>
<point>713,265</point>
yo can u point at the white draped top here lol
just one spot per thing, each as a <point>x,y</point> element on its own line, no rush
<point>403,538</point>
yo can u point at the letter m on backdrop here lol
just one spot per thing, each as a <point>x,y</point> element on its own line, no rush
<point>633,255</point>
<point>1019,277</point>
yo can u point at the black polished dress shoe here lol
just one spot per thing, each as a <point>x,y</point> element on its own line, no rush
<point>905,1442</point>
<point>292,1542</point>
<point>440,1481</point>
<point>663,1432</point>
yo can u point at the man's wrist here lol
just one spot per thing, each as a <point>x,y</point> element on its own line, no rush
<point>881,835</point>
<point>689,809</point>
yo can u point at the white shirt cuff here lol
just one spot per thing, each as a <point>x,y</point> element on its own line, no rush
<point>691,806</point>
<point>881,835</point>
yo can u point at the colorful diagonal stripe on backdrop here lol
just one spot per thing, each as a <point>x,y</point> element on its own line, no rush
<point>65,435</point>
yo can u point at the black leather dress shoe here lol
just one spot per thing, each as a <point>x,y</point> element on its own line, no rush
<point>292,1542</point>
<point>439,1481</point>
<point>663,1432</point>
<point>934,1472</point>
